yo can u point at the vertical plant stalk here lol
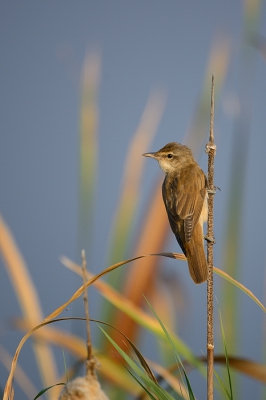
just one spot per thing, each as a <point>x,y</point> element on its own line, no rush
<point>211,150</point>
<point>90,364</point>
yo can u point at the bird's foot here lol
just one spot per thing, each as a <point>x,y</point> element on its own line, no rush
<point>213,191</point>
<point>210,146</point>
<point>209,239</point>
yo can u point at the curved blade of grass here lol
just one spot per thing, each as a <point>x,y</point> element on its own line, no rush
<point>142,360</point>
<point>170,255</point>
<point>178,359</point>
<point>123,304</point>
<point>8,386</point>
<point>48,388</point>
<point>140,384</point>
<point>79,292</point>
<point>140,357</point>
<point>176,256</point>
<point>27,298</point>
<point>239,286</point>
<point>250,368</point>
<point>174,382</point>
<point>76,346</point>
<point>225,390</point>
<point>160,392</point>
<point>21,378</point>
<point>226,358</point>
<point>247,367</point>
<point>110,369</point>
<point>137,314</point>
<point>132,174</point>
<point>59,337</point>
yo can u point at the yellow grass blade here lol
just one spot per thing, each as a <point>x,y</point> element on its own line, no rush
<point>88,145</point>
<point>8,387</point>
<point>250,368</point>
<point>117,299</point>
<point>252,13</point>
<point>247,367</point>
<point>133,171</point>
<point>178,256</point>
<point>21,378</point>
<point>59,337</point>
<point>218,63</point>
<point>130,309</point>
<point>240,286</point>
<point>27,298</point>
<point>144,272</point>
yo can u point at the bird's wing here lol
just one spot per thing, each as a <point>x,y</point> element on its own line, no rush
<point>184,195</point>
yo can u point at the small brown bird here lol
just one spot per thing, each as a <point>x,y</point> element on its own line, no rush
<point>185,198</point>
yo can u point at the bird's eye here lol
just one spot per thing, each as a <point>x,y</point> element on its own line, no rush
<point>169,155</point>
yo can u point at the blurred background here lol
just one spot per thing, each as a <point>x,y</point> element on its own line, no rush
<point>82,84</point>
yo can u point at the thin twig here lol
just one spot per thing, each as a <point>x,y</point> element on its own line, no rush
<point>90,359</point>
<point>211,150</point>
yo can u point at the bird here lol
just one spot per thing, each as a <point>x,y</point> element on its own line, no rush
<point>184,193</point>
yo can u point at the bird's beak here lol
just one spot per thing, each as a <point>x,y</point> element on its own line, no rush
<point>151,155</point>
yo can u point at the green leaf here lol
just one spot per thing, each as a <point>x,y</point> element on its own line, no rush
<point>177,357</point>
<point>155,388</point>
<point>48,388</point>
<point>226,358</point>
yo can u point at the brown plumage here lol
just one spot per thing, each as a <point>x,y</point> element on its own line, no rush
<point>185,198</point>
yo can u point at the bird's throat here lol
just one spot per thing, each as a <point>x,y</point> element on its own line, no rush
<point>166,166</point>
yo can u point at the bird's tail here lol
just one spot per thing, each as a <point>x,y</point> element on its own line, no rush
<point>195,254</point>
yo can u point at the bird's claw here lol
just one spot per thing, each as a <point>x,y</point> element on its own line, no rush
<point>209,239</point>
<point>213,191</point>
<point>210,146</point>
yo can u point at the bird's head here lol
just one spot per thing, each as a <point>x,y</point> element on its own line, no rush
<point>172,157</point>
